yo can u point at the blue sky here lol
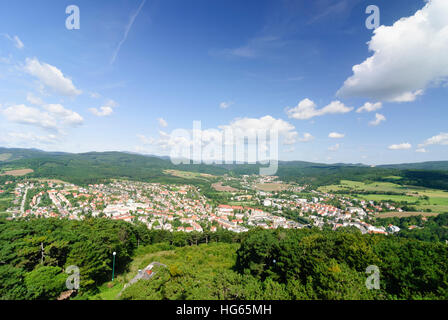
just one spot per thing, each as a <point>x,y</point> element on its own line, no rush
<point>136,70</point>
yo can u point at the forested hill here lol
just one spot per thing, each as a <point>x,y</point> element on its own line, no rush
<point>12,154</point>
<point>96,166</point>
<point>430,165</point>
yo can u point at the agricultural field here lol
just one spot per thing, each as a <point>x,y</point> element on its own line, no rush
<point>189,175</point>
<point>437,202</point>
<point>405,214</point>
<point>219,187</point>
<point>272,187</point>
<point>17,172</point>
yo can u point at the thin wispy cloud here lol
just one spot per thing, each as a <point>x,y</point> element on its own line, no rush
<point>325,9</point>
<point>225,104</point>
<point>255,46</point>
<point>126,32</point>
<point>16,40</point>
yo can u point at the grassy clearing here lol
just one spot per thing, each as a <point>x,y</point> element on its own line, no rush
<point>109,291</point>
<point>141,256</point>
<point>211,257</point>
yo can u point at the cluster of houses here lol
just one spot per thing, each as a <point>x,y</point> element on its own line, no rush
<point>350,212</point>
<point>60,206</point>
<point>238,219</point>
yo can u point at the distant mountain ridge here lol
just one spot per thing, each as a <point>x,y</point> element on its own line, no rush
<point>22,153</point>
<point>428,165</point>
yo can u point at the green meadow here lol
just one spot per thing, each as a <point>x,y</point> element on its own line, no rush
<point>386,197</point>
<point>373,186</point>
<point>437,202</point>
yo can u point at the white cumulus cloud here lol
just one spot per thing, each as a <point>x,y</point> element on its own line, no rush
<point>307,109</point>
<point>51,77</point>
<point>307,137</point>
<point>30,116</point>
<point>66,116</point>
<point>407,57</point>
<point>336,135</point>
<point>378,119</point>
<point>252,130</point>
<point>440,139</point>
<point>105,110</point>
<point>369,107</point>
<point>249,127</point>
<point>31,98</point>
<point>52,117</point>
<point>401,146</point>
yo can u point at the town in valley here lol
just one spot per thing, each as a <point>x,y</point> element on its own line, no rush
<point>184,208</point>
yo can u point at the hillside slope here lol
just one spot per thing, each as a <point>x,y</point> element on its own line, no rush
<point>96,166</point>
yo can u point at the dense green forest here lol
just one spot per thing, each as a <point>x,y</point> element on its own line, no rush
<point>428,229</point>
<point>87,244</point>
<point>261,264</point>
<point>301,264</point>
